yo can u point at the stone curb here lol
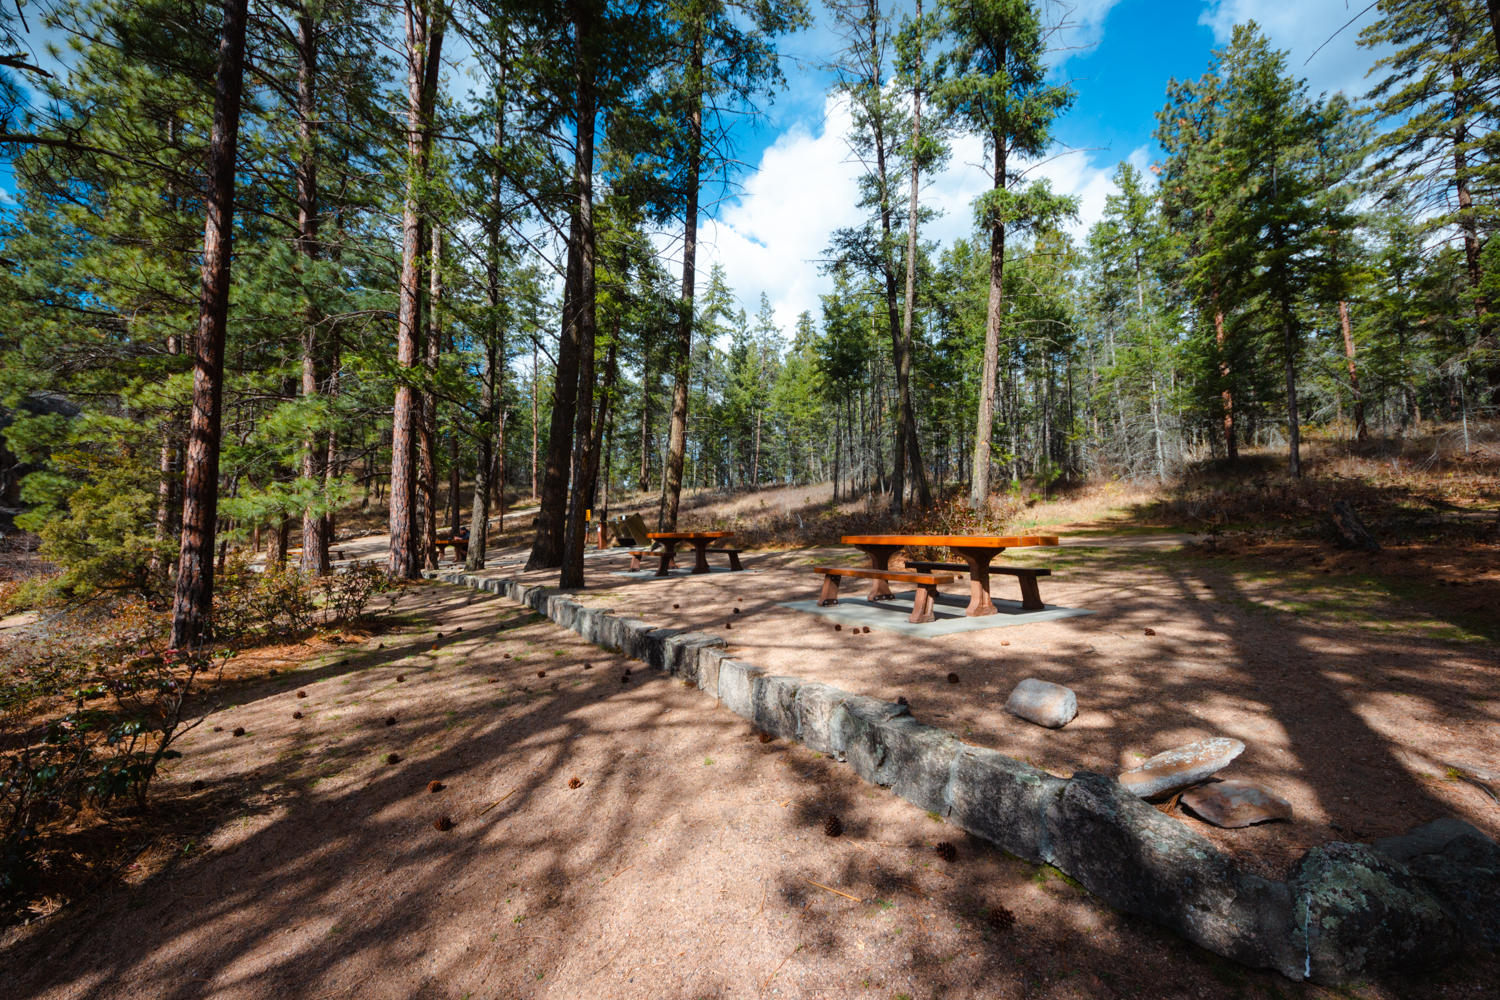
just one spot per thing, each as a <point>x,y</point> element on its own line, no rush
<point>1348,912</point>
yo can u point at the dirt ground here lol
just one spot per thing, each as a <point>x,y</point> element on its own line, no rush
<point>692,862</point>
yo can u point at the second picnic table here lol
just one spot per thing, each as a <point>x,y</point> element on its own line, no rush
<point>699,540</point>
<point>975,550</point>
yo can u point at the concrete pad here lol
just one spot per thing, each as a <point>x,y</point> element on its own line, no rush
<point>948,609</point>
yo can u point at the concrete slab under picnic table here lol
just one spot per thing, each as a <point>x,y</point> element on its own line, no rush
<point>947,609</point>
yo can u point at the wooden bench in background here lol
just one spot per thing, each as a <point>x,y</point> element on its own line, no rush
<point>1031,597</point>
<point>926,583</point>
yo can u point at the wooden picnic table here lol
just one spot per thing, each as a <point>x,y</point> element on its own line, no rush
<point>976,550</point>
<point>699,541</point>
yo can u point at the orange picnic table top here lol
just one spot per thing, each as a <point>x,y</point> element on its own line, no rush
<point>688,535</point>
<point>952,541</point>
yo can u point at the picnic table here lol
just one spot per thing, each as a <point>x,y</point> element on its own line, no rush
<point>974,550</point>
<point>699,541</point>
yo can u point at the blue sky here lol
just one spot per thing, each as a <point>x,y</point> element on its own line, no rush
<point>799,184</point>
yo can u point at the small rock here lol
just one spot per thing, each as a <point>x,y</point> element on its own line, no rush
<point>1182,767</point>
<point>1042,702</point>
<point>1233,804</point>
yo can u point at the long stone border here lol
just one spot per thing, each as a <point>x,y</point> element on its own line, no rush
<point>1348,911</point>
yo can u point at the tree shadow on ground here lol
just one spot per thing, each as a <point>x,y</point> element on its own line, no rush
<point>684,866</point>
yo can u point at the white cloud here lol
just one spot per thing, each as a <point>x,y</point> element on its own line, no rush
<point>772,237</point>
<point>1300,28</point>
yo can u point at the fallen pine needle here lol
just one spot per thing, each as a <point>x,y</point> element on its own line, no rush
<point>820,885</point>
<point>498,801</point>
<point>616,875</point>
<point>611,959</point>
<point>787,959</point>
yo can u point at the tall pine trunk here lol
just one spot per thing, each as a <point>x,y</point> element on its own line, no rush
<point>979,490</point>
<point>1360,431</point>
<point>192,606</point>
<point>427,440</point>
<point>491,387</point>
<point>424,43</point>
<point>548,548</point>
<point>682,363</point>
<point>315,560</point>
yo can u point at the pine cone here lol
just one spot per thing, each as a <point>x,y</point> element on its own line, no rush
<point>390,720</point>
<point>727,625</point>
<point>766,737</point>
<point>952,678</point>
<point>393,758</point>
<point>865,630</point>
<point>902,700</point>
<point>435,786</point>
<point>838,628</point>
<point>296,715</point>
<point>442,824</point>
<point>624,678</point>
<point>588,666</point>
<point>494,680</point>
<point>400,678</point>
<point>1001,919</point>
<point>947,852</point>
<point>218,729</point>
<point>301,694</point>
<point>833,826</point>
<point>541,673</point>
<point>574,782</point>
<point>1150,631</point>
<point>239,731</point>
<point>736,610</point>
<point>198,786</point>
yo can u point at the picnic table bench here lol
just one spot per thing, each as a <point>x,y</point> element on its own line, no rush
<point>699,541</point>
<point>926,583</point>
<point>976,551</point>
<point>1031,597</point>
<point>459,544</point>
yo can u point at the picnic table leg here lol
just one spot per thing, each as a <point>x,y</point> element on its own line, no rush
<point>734,562</point>
<point>700,555</point>
<point>880,558</point>
<point>830,595</point>
<point>668,549</point>
<point>1031,597</point>
<point>635,561</point>
<point>979,581</point>
<point>921,606</point>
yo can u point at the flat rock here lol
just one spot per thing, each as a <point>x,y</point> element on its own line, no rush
<point>1233,804</point>
<point>1046,704</point>
<point>1182,767</point>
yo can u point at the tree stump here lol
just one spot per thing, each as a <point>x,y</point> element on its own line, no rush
<point>1350,530</point>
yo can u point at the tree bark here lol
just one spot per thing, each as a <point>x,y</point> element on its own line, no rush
<point>315,561</point>
<point>1231,447</point>
<point>192,608</point>
<point>548,548</point>
<point>682,363</point>
<point>1361,433</point>
<point>424,43</point>
<point>979,490</point>
<point>905,419</point>
<point>644,482</point>
<point>429,439</point>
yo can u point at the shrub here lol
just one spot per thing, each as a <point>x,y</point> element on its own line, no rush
<point>118,725</point>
